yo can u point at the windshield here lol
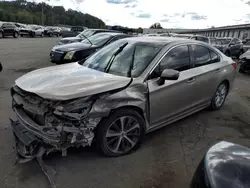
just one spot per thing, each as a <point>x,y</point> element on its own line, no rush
<point>123,58</point>
<point>225,41</point>
<point>98,39</point>
<point>86,33</point>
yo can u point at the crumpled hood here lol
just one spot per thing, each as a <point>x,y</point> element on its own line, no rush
<point>245,55</point>
<point>68,40</point>
<point>69,81</point>
<point>72,47</point>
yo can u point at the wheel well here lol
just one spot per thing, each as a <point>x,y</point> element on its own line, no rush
<point>135,108</point>
<point>227,83</point>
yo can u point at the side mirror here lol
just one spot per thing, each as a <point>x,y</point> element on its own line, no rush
<point>1,67</point>
<point>168,74</point>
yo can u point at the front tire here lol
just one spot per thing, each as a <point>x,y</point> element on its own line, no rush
<point>219,96</point>
<point>42,35</point>
<point>120,133</point>
<point>1,34</point>
<point>15,35</point>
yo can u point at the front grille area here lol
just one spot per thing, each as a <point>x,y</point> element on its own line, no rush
<point>56,55</point>
<point>34,106</point>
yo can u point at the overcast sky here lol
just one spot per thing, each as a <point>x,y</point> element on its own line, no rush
<point>170,13</point>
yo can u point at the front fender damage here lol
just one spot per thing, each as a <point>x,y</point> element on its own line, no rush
<point>44,126</point>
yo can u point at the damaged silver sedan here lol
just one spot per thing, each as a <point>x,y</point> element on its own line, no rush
<point>116,96</point>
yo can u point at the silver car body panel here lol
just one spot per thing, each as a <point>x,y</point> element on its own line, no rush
<point>69,81</point>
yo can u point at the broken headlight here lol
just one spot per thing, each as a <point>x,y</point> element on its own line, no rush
<point>76,109</point>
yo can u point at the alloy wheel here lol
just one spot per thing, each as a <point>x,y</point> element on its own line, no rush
<point>220,95</point>
<point>123,134</point>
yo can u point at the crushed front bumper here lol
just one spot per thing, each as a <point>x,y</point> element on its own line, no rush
<point>27,144</point>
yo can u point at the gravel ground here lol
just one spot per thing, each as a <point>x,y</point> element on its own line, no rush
<point>167,158</point>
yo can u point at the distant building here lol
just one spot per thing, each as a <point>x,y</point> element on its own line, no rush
<point>238,31</point>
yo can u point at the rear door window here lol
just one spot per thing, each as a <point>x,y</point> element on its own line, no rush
<point>203,56</point>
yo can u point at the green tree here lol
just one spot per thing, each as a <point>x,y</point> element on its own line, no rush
<point>156,26</point>
<point>31,13</point>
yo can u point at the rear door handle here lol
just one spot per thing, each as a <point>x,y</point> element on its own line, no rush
<point>190,80</point>
<point>217,70</point>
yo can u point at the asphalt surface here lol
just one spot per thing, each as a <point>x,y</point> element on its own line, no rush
<point>167,158</point>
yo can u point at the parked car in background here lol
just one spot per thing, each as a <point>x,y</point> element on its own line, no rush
<point>232,47</point>
<point>10,29</point>
<point>52,31</point>
<point>244,62</point>
<point>225,165</point>
<point>1,33</point>
<point>123,91</point>
<point>185,36</point>
<point>151,35</point>
<point>80,50</point>
<point>193,37</point>
<point>32,31</point>
<point>83,35</point>
<point>246,45</point>
<point>74,31</point>
<point>213,41</point>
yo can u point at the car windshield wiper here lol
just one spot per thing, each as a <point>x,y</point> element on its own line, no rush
<point>87,39</point>
<point>114,55</point>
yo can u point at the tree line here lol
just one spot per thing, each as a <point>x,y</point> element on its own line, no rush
<point>26,12</point>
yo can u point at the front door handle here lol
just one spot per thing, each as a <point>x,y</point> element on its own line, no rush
<point>190,80</point>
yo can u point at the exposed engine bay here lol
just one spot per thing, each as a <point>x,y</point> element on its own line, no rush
<point>54,125</point>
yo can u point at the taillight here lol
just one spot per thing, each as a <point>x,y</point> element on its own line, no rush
<point>234,65</point>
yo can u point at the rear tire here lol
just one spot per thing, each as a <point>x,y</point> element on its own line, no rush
<point>116,140</point>
<point>219,96</point>
<point>1,34</point>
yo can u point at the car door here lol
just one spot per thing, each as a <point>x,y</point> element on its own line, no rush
<point>206,66</point>
<point>174,97</point>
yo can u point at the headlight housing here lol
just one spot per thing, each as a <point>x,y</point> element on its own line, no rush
<point>69,55</point>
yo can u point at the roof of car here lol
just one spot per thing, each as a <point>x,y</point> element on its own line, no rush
<point>157,39</point>
<point>104,30</point>
<point>111,33</point>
